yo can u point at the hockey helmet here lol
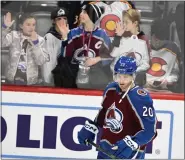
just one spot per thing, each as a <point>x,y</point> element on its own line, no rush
<point>125,65</point>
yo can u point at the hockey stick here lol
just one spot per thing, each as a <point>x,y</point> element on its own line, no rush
<point>102,150</point>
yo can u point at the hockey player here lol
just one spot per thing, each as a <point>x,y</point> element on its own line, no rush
<point>127,117</point>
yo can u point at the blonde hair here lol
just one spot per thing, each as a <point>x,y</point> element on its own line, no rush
<point>134,15</point>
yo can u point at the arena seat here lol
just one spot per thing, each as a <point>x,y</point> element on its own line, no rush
<point>145,26</point>
<point>43,22</point>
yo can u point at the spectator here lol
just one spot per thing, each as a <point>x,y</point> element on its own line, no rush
<point>27,51</point>
<point>75,9</point>
<point>53,41</point>
<point>137,43</point>
<point>164,71</point>
<point>88,45</point>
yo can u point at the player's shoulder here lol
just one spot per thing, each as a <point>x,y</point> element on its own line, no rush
<point>140,95</point>
<point>112,86</point>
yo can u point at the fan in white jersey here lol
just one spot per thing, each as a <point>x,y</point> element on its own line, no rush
<point>164,71</point>
<point>136,46</point>
<point>53,41</point>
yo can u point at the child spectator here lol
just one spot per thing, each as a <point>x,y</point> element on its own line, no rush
<point>88,45</point>
<point>53,41</point>
<point>136,43</point>
<point>26,48</point>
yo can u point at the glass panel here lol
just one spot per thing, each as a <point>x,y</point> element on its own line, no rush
<point>58,55</point>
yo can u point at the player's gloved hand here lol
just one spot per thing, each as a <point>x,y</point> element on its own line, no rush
<point>107,147</point>
<point>126,148</point>
<point>88,132</point>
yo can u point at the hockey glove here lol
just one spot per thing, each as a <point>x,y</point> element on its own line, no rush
<point>126,148</point>
<point>87,133</point>
<point>107,147</point>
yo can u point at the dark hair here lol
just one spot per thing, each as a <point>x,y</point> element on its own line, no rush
<point>160,28</point>
<point>132,4</point>
<point>24,16</point>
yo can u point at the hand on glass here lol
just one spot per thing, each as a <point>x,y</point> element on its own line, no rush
<point>63,27</point>
<point>8,20</point>
<point>120,28</point>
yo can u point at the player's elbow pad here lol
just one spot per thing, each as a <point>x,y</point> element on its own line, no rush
<point>144,137</point>
<point>151,136</point>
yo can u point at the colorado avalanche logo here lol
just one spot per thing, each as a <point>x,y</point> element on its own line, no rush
<point>134,55</point>
<point>60,12</point>
<point>80,54</point>
<point>113,119</point>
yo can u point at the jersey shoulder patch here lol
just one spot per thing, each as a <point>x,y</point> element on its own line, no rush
<point>140,95</point>
<point>141,92</point>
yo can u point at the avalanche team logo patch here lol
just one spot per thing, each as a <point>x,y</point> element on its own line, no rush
<point>141,92</point>
<point>114,119</point>
<point>61,12</point>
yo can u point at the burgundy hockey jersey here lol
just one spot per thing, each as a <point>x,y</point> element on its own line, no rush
<point>134,116</point>
<point>86,44</point>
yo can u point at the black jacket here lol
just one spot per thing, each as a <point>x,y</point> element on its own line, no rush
<point>53,31</point>
<point>65,73</point>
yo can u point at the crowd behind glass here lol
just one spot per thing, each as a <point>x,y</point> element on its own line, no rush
<point>76,46</point>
